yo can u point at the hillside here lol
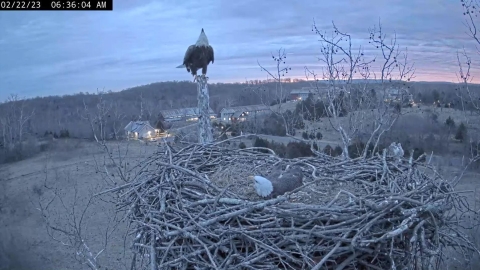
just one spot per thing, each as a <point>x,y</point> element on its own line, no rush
<point>56,113</point>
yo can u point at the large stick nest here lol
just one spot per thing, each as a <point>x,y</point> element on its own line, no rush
<point>195,209</point>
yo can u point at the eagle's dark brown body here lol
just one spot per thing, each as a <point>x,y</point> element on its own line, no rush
<point>198,57</point>
<point>278,182</point>
<point>287,181</point>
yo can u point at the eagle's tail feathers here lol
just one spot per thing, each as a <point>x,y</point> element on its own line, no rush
<point>181,66</point>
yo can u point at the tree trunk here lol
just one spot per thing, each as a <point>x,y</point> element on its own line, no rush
<point>205,134</point>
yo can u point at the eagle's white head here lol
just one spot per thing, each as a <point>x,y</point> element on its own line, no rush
<point>202,39</point>
<point>262,185</point>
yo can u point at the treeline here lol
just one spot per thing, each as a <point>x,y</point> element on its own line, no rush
<point>74,115</point>
<point>303,149</point>
<point>56,113</point>
<point>421,132</point>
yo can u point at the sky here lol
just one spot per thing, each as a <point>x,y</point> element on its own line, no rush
<point>45,53</point>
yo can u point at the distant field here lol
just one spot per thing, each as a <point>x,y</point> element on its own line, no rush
<point>26,245</point>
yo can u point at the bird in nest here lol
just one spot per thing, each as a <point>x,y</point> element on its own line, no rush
<point>198,56</point>
<point>278,182</point>
<point>395,150</point>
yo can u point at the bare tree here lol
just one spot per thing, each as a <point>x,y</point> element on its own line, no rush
<point>469,97</point>
<point>151,109</point>
<point>14,120</point>
<point>4,128</point>
<point>141,101</point>
<point>69,233</point>
<point>348,92</point>
<point>230,102</point>
<point>117,119</point>
<point>352,85</point>
<point>148,107</point>
<point>68,213</point>
<point>97,117</point>
<point>280,94</point>
<point>170,103</point>
<point>471,11</point>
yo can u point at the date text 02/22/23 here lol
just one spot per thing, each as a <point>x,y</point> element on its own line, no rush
<point>56,5</point>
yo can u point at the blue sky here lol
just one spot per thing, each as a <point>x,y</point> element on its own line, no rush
<point>140,42</point>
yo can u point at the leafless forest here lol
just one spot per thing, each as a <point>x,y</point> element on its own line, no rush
<point>34,118</point>
<point>75,193</point>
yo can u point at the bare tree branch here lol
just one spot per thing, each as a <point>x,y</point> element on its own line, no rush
<point>470,99</point>
<point>351,80</point>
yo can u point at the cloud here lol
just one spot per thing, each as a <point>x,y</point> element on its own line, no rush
<point>140,42</point>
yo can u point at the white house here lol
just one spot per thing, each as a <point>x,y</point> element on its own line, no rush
<point>398,95</point>
<point>242,113</point>
<point>140,130</point>
<point>184,114</point>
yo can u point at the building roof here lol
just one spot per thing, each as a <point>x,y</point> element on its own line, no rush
<point>183,112</point>
<point>303,90</point>
<point>137,126</point>
<point>241,109</point>
<point>237,114</point>
<point>308,90</point>
<point>393,90</point>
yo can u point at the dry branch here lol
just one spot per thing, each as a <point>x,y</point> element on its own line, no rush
<point>469,98</point>
<point>375,213</point>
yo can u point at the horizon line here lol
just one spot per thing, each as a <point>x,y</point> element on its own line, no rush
<point>264,81</point>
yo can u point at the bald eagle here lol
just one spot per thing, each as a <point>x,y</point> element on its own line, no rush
<point>278,182</point>
<point>198,56</point>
